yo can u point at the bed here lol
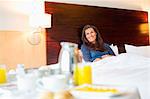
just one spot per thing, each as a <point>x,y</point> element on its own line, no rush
<point>124,69</point>
<point>125,29</point>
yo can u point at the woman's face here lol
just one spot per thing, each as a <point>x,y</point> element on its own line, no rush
<point>90,34</point>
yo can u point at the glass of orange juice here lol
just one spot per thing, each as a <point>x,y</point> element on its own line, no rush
<point>84,73</point>
<point>3,74</point>
<point>75,74</point>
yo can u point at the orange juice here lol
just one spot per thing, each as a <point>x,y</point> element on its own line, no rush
<point>75,75</point>
<point>2,75</point>
<point>87,74</point>
<point>84,75</point>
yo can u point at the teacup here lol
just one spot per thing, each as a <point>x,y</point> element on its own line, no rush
<point>26,82</point>
<point>53,83</point>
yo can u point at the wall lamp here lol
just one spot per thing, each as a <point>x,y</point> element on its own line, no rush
<point>38,22</point>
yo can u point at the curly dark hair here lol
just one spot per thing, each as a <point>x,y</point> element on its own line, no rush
<point>99,45</point>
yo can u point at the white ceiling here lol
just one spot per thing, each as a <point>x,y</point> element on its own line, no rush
<point>125,4</point>
<point>16,11</point>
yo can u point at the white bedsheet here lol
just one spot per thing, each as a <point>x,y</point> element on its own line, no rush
<point>124,69</point>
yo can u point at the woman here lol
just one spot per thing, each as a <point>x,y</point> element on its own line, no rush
<point>93,47</point>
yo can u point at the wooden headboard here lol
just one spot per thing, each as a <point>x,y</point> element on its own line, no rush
<point>117,26</point>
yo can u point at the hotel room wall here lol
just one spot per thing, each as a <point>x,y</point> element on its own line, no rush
<point>15,49</point>
<point>14,29</point>
<point>143,5</point>
<point>13,52</point>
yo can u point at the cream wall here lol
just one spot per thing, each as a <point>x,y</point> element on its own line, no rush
<point>14,28</point>
<point>15,49</point>
<point>14,32</point>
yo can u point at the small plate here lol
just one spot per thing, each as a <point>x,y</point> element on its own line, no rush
<point>9,84</point>
<point>103,92</point>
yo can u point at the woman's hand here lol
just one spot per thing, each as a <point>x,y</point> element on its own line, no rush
<point>105,56</point>
<point>97,59</point>
<point>80,56</point>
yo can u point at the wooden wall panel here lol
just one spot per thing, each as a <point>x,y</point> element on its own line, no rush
<point>117,26</point>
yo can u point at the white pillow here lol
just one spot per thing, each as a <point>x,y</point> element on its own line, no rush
<point>139,50</point>
<point>114,48</point>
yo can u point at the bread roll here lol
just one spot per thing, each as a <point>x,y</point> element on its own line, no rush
<point>46,95</point>
<point>63,95</point>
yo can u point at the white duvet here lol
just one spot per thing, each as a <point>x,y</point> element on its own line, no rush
<point>124,69</point>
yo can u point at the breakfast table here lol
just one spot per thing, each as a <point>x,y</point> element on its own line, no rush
<point>30,87</point>
<point>10,91</point>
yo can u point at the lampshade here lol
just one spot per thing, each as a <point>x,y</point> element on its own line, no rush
<point>40,20</point>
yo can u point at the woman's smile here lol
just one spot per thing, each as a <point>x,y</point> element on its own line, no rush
<point>90,35</point>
